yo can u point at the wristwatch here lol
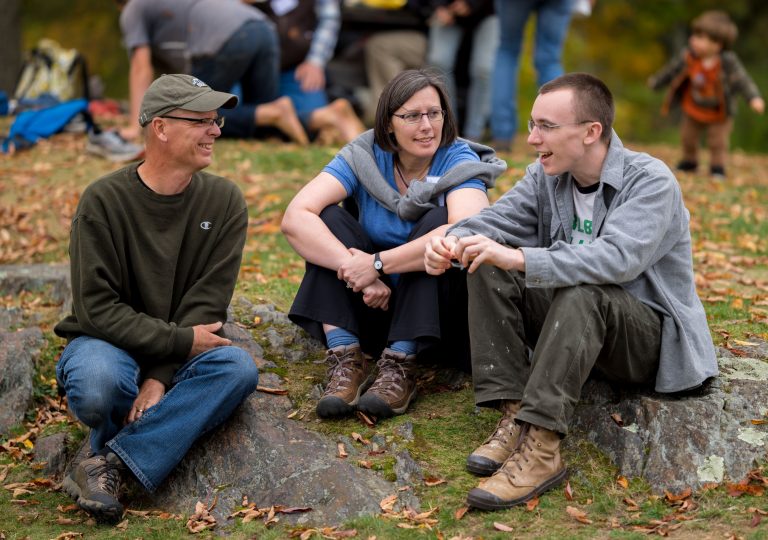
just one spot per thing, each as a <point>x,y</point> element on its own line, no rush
<point>377,264</point>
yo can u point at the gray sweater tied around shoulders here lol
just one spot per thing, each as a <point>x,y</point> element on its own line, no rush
<point>420,196</point>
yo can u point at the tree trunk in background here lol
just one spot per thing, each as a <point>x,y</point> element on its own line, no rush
<point>10,52</point>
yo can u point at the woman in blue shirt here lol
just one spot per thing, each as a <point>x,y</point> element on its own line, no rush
<point>365,288</point>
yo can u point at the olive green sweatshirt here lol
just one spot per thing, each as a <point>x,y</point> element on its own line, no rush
<point>146,268</point>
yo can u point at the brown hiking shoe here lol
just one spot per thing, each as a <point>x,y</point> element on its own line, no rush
<point>488,457</point>
<point>348,376</point>
<point>394,387</point>
<point>534,467</point>
<point>95,485</point>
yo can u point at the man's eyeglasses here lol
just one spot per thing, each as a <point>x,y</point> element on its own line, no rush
<point>434,116</point>
<point>208,122</point>
<point>545,128</point>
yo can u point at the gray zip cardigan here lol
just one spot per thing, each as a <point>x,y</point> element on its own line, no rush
<point>641,241</point>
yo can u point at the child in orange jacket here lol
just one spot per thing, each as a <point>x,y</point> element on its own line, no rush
<point>705,79</point>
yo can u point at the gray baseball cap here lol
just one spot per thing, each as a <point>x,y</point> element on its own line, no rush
<point>179,91</point>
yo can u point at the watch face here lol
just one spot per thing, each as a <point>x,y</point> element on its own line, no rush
<point>378,265</point>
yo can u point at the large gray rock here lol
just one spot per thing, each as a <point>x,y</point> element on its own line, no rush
<point>273,460</point>
<point>18,351</point>
<point>51,279</point>
<point>675,442</point>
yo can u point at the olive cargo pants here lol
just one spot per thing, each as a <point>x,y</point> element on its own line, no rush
<point>571,330</point>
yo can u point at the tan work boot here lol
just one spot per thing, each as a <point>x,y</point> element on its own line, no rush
<point>348,376</point>
<point>534,467</point>
<point>487,458</point>
<point>394,387</point>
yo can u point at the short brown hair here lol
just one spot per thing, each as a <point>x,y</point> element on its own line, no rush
<point>716,25</point>
<point>399,90</point>
<point>592,100</point>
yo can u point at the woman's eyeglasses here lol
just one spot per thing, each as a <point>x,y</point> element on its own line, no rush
<point>434,116</point>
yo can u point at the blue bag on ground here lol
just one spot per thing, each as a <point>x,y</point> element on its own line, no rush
<point>30,126</point>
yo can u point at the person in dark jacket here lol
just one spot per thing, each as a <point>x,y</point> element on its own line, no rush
<point>705,79</point>
<point>155,251</point>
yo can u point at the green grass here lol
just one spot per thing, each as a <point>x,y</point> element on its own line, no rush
<point>730,233</point>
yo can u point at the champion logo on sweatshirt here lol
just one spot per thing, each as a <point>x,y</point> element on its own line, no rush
<point>206,225</point>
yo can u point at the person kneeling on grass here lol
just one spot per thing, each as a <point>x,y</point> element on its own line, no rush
<point>587,262</point>
<point>155,250</point>
<point>365,289</point>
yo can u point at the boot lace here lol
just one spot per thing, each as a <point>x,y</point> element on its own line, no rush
<point>340,368</point>
<point>106,476</point>
<point>392,378</point>
<point>501,436</point>
<point>519,455</point>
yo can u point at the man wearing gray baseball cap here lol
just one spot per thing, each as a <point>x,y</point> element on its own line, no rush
<point>155,251</point>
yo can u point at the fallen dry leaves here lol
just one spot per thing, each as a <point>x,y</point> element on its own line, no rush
<point>578,514</point>
<point>251,512</point>
<point>408,518</point>
<point>201,519</point>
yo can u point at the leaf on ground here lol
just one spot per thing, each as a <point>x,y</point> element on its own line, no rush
<point>501,527</point>
<point>69,535</point>
<point>578,514</point>
<point>388,503</point>
<point>460,512</point>
<point>568,490</point>
<point>671,497</point>
<point>365,419</point>
<point>66,521</point>
<point>365,463</point>
<point>737,490</point>
<point>342,452</point>
<point>201,519</point>
<point>275,391</point>
<point>431,481</point>
<point>123,525</point>
<point>632,506</point>
<point>359,438</point>
<point>623,482</point>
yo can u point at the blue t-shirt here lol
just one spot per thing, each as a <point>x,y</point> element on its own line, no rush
<point>385,229</point>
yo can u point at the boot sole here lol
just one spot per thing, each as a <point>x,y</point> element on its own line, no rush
<point>482,466</point>
<point>335,407</point>
<point>483,500</point>
<point>375,406</point>
<point>100,511</point>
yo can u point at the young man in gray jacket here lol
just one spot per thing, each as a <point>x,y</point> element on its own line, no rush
<point>586,262</point>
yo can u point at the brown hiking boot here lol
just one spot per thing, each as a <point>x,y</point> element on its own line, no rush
<point>348,376</point>
<point>95,485</point>
<point>394,387</point>
<point>488,457</point>
<point>534,467</point>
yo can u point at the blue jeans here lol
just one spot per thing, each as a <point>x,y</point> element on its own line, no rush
<point>101,382</point>
<point>250,57</point>
<point>552,19</point>
<point>444,42</point>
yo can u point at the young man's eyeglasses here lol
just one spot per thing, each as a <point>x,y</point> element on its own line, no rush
<point>545,128</point>
<point>208,122</point>
<point>434,116</point>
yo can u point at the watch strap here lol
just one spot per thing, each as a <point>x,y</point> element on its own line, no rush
<point>377,264</point>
